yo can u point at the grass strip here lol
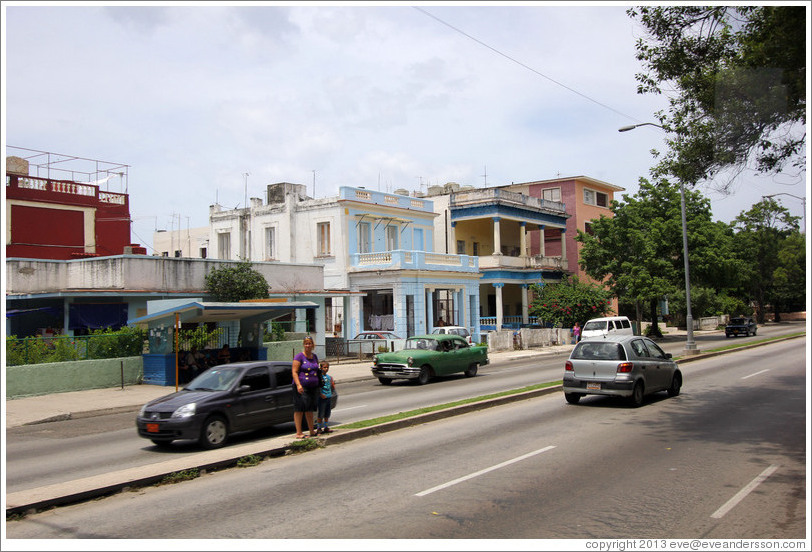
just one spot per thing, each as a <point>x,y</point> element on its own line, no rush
<point>748,343</point>
<point>426,409</point>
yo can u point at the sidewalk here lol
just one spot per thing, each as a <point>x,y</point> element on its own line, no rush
<point>96,402</point>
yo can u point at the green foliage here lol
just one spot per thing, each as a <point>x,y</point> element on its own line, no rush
<point>304,445</point>
<point>201,338</point>
<point>736,81</point>
<point>774,253</point>
<point>177,477</point>
<point>569,301</point>
<point>277,332</point>
<point>248,461</point>
<point>107,343</point>
<point>236,283</point>
<point>99,344</point>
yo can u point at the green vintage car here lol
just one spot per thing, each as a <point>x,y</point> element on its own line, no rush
<point>426,356</point>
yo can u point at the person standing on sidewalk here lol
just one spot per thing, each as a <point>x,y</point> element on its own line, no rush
<point>306,385</point>
<point>328,388</point>
<point>576,332</point>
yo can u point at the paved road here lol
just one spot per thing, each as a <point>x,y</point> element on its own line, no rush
<point>56,452</point>
<point>538,468</point>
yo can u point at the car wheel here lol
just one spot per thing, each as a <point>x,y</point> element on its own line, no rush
<point>676,384</point>
<point>472,370</point>
<point>754,331</point>
<point>573,398</point>
<point>637,394</point>
<point>214,432</point>
<point>163,443</point>
<point>424,375</point>
<point>385,381</point>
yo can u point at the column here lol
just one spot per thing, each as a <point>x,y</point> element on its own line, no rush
<point>564,249</point>
<point>499,310</point>
<point>497,236</point>
<point>542,251</point>
<point>525,313</point>
<point>429,310</point>
<point>452,235</point>
<point>522,239</point>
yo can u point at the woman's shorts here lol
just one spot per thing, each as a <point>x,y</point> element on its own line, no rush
<point>307,401</point>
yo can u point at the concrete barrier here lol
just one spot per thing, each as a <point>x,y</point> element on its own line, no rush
<point>29,380</point>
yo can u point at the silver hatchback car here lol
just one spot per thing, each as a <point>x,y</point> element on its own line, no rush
<point>628,366</point>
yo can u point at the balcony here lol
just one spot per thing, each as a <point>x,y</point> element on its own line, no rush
<point>412,260</point>
<point>491,196</point>
<point>535,262</point>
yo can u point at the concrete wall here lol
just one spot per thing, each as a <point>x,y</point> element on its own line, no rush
<point>528,338</point>
<point>29,380</point>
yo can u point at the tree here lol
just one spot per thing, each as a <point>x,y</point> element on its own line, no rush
<point>236,283</point>
<point>569,301</point>
<point>638,252</point>
<point>762,235</point>
<point>738,76</point>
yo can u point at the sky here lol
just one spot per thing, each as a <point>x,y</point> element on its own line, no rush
<point>208,103</point>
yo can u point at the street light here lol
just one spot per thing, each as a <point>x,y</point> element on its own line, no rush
<point>803,203</point>
<point>690,345</point>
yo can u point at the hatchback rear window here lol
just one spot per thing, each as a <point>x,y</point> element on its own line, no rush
<point>598,350</point>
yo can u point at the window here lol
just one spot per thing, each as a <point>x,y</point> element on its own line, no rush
<point>224,245</point>
<point>203,252</point>
<point>551,194</point>
<point>588,228</point>
<point>257,379</point>
<point>364,237</point>
<point>591,197</point>
<point>391,238</point>
<point>460,247</point>
<point>323,231</point>
<point>178,253</point>
<point>284,377</point>
<point>475,247</point>
<point>270,243</point>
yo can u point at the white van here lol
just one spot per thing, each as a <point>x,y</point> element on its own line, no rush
<point>610,325</point>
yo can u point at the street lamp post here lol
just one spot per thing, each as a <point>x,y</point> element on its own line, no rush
<point>690,344</point>
<point>803,204</point>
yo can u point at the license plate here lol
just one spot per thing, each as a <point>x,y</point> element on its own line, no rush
<point>389,374</point>
<point>593,385</point>
<point>152,428</point>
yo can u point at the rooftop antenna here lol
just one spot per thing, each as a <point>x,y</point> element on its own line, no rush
<point>245,175</point>
<point>486,176</point>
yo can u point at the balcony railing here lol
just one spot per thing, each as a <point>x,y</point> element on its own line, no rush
<point>64,187</point>
<point>417,260</point>
<point>536,262</point>
<point>495,195</point>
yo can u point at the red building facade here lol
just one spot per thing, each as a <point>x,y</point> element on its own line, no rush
<point>62,219</point>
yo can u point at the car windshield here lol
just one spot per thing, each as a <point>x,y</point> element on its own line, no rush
<point>215,379</point>
<point>593,325</point>
<point>598,350</point>
<point>737,321</point>
<point>422,343</point>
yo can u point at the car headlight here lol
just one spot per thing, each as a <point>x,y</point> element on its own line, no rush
<point>143,411</point>
<point>375,360</point>
<point>410,361</point>
<point>185,411</point>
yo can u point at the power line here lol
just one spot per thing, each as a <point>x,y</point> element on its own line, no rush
<point>491,48</point>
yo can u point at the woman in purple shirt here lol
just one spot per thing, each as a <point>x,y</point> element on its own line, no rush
<point>306,384</point>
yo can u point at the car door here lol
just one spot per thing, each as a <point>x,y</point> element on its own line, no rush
<point>255,402</point>
<point>282,392</point>
<point>644,364</point>
<point>665,366</point>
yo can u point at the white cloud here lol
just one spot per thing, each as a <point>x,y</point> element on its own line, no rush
<point>192,97</point>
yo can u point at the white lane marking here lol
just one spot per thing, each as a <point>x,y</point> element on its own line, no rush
<point>486,470</point>
<point>349,408</point>
<point>757,373</point>
<point>738,497</point>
